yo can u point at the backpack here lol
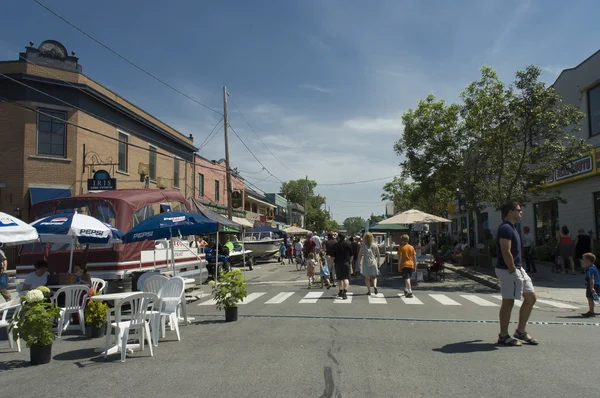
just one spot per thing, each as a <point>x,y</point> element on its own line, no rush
<point>371,261</point>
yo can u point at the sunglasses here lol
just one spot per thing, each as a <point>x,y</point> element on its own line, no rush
<point>519,210</point>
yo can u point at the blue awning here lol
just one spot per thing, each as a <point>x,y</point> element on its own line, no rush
<point>41,194</point>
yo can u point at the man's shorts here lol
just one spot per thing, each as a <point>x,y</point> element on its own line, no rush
<point>512,286</point>
<point>407,272</point>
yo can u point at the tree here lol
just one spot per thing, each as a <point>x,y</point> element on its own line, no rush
<point>302,191</point>
<point>332,225</point>
<point>433,198</point>
<point>376,219</point>
<point>354,225</point>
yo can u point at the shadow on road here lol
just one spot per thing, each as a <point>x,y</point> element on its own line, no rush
<point>15,364</point>
<point>85,353</point>
<point>466,347</point>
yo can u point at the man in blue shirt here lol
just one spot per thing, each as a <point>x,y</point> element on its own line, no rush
<point>514,281</point>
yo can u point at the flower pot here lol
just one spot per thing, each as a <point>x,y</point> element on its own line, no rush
<point>40,355</point>
<point>94,332</point>
<point>231,314</point>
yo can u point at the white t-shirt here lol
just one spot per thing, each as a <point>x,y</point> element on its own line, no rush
<point>317,241</point>
<point>36,281</point>
<point>298,247</point>
<point>527,240</point>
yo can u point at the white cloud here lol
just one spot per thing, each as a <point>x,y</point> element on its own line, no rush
<point>375,125</point>
<point>316,87</point>
<point>512,24</point>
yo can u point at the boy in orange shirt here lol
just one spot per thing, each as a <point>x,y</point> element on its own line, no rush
<point>407,259</point>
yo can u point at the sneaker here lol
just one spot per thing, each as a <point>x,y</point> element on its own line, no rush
<point>408,295</point>
<point>344,296</point>
<point>375,290</point>
<point>588,314</point>
<point>369,293</point>
<point>340,293</point>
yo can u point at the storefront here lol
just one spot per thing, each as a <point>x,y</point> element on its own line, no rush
<point>545,215</point>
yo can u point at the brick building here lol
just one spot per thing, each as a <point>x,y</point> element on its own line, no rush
<point>51,146</point>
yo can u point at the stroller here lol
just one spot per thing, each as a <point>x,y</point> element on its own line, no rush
<point>437,270</point>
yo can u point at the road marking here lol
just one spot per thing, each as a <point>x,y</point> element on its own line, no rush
<point>251,297</point>
<point>311,298</point>
<point>377,298</point>
<point>557,304</point>
<point>340,300</point>
<point>412,300</point>
<point>443,299</point>
<point>518,303</point>
<point>478,300</point>
<point>209,302</point>
<point>280,298</point>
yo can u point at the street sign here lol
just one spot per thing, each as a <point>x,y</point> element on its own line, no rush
<point>236,199</point>
<point>102,182</point>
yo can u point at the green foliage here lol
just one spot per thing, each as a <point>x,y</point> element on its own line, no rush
<point>95,313</point>
<point>431,197</point>
<point>302,192</point>
<point>354,224</point>
<point>34,322</point>
<point>546,251</point>
<point>331,225</point>
<point>230,290</point>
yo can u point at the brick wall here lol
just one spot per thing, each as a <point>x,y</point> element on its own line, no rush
<point>214,171</point>
<point>11,155</point>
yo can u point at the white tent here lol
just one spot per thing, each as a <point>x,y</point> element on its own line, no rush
<point>296,231</point>
<point>414,217</point>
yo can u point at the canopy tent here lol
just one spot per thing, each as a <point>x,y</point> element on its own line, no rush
<point>413,217</point>
<point>296,231</point>
<point>243,222</point>
<point>224,223</point>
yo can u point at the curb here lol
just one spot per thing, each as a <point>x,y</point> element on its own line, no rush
<point>486,280</point>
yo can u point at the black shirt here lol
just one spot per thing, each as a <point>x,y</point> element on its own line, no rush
<point>328,244</point>
<point>342,251</point>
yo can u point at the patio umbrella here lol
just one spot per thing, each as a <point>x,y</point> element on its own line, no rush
<point>414,217</point>
<point>296,231</point>
<point>75,227</point>
<point>15,232</point>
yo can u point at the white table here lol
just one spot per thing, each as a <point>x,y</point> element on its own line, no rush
<point>116,299</point>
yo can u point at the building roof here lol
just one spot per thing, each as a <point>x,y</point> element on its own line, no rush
<point>576,67</point>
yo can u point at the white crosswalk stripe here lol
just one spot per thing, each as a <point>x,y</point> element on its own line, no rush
<point>377,299</point>
<point>311,298</point>
<point>412,300</point>
<point>478,300</point>
<point>443,299</point>
<point>251,297</point>
<point>518,303</point>
<point>556,304</point>
<point>341,300</point>
<point>280,298</point>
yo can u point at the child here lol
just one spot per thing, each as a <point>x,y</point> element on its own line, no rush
<point>592,282</point>
<point>290,253</point>
<point>324,271</point>
<point>282,253</point>
<point>310,269</point>
<point>407,260</point>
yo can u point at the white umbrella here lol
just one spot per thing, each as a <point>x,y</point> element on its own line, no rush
<point>414,217</point>
<point>15,232</point>
<point>296,231</point>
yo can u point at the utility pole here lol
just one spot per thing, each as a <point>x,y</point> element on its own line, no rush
<point>305,201</point>
<point>227,165</point>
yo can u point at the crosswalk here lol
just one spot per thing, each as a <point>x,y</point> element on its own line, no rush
<point>315,297</point>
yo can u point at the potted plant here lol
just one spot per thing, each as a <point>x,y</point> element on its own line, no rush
<point>230,290</point>
<point>95,318</point>
<point>34,322</point>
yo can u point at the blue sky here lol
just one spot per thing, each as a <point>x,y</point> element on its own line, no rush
<point>323,82</point>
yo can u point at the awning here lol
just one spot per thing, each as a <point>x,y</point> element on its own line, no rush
<point>42,194</point>
<point>224,223</point>
<point>261,201</point>
<point>243,222</point>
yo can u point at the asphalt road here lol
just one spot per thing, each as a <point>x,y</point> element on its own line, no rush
<point>324,348</point>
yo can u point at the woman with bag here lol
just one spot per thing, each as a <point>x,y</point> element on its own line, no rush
<point>369,257</point>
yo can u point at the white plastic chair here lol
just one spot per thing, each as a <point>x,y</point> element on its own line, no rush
<point>75,300</point>
<point>140,304</point>
<point>142,278</point>
<point>170,298</point>
<point>153,283</point>
<point>98,285</point>
<point>13,305</point>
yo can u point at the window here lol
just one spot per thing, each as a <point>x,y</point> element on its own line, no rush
<point>546,219</point>
<point>175,173</point>
<point>200,185</point>
<point>141,215</point>
<point>123,152</point>
<point>152,164</point>
<point>52,133</point>
<point>594,110</point>
<point>217,190</point>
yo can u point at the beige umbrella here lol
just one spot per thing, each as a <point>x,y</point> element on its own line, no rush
<point>296,231</point>
<point>414,217</point>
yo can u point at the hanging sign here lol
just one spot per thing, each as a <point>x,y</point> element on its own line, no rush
<point>102,182</point>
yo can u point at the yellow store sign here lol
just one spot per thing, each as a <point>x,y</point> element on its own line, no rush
<point>576,169</point>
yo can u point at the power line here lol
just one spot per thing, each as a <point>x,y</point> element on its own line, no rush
<point>252,172</point>
<point>257,136</point>
<point>210,136</point>
<point>124,58</point>
<point>352,201</point>
<point>252,153</point>
<point>356,182</point>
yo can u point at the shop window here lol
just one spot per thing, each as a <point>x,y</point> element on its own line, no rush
<point>545,215</point>
<point>200,185</point>
<point>217,190</point>
<point>594,110</point>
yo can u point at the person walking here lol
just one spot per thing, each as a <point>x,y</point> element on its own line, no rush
<point>407,260</point>
<point>328,245</point>
<point>369,257</point>
<point>342,254</point>
<point>528,249</point>
<point>3,267</point>
<point>514,281</point>
<point>565,249</point>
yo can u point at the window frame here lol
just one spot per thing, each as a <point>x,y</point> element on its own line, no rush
<point>126,143</point>
<point>176,171</point>
<point>37,131</point>
<point>200,193</point>
<point>217,191</point>
<point>152,149</point>
<point>589,110</point>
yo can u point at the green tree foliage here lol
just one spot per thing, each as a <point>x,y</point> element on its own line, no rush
<point>302,191</point>
<point>431,199</point>
<point>354,225</point>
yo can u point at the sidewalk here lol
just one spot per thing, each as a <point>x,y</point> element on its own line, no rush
<point>548,285</point>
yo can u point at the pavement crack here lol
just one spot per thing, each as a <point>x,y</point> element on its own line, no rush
<point>333,358</point>
<point>329,383</point>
